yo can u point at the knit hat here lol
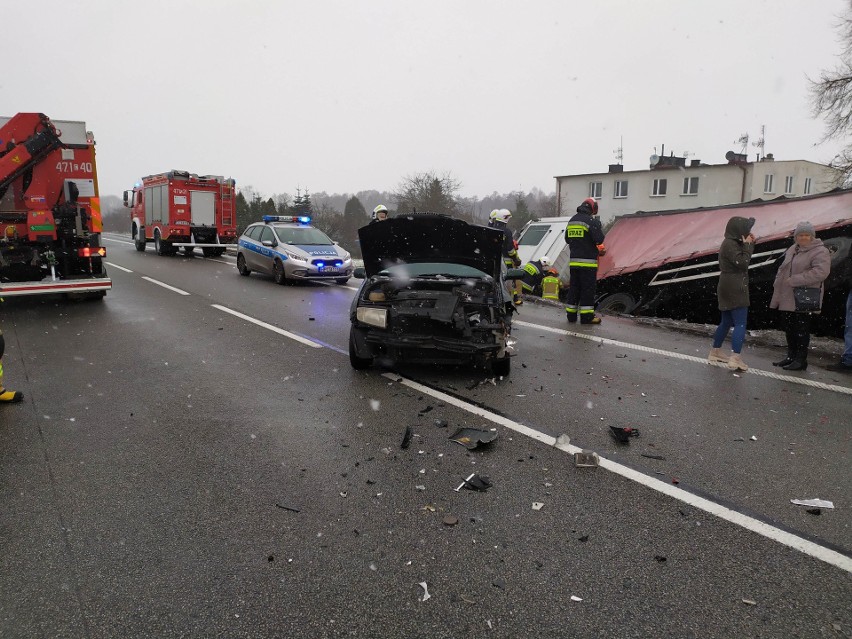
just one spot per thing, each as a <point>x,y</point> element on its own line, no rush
<point>805,227</point>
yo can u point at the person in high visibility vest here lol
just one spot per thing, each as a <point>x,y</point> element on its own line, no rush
<point>551,286</point>
<point>6,396</point>
<point>534,274</point>
<point>585,239</point>
<point>499,219</point>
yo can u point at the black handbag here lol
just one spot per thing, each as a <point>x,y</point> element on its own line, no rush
<point>807,299</point>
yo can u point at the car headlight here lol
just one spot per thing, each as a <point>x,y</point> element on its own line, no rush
<point>296,256</point>
<point>373,316</point>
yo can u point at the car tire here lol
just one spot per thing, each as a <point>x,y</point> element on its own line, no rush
<point>622,303</point>
<point>501,367</point>
<point>241,265</point>
<point>358,363</point>
<point>278,272</point>
<point>139,239</point>
<point>342,280</point>
<point>189,251</point>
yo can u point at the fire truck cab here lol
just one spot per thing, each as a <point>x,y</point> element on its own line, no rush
<point>179,209</point>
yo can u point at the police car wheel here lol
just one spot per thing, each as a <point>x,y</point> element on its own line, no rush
<point>278,272</point>
<point>241,266</point>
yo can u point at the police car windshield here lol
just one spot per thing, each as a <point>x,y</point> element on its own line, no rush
<point>424,269</point>
<point>301,235</point>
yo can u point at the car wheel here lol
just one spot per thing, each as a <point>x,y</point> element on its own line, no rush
<point>501,367</point>
<point>189,251</point>
<point>139,239</point>
<point>278,272</point>
<point>241,265</point>
<point>342,280</point>
<point>358,363</point>
<point>617,303</point>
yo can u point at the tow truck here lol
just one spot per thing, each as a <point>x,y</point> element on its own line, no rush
<point>50,219</point>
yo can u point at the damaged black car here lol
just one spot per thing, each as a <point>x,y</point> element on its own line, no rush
<point>433,293</point>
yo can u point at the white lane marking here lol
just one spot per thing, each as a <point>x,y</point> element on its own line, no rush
<point>112,239</point>
<point>270,327</point>
<point>210,259</point>
<point>690,358</point>
<point>164,285</point>
<point>120,268</point>
<point>795,542</point>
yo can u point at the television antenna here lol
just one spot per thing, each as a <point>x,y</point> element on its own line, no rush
<point>743,140</point>
<point>760,143</point>
<point>619,152</point>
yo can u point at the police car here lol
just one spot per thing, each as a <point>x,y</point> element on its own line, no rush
<point>290,249</point>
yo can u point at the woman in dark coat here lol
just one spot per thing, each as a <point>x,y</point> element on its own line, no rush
<point>806,263</point>
<point>734,257</point>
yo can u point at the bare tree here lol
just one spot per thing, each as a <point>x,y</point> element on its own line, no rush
<point>831,98</point>
<point>428,193</point>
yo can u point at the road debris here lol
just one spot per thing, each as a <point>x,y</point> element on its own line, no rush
<point>426,594</point>
<point>537,505</point>
<point>563,442</point>
<point>814,503</point>
<point>749,602</point>
<point>292,509</point>
<point>653,456</point>
<point>441,423</point>
<point>586,459</point>
<point>753,438</point>
<point>449,520</point>
<point>622,434</point>
<point>575,598</point>
<point>475,482</point>
<point>406,438</point>
<point>471,438</point>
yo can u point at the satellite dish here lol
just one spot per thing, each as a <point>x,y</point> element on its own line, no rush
<point>729,156</point>
<point>654,160</point>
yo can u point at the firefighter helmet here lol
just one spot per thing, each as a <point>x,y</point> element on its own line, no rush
<point>501,215</point>
<point>590,205</point>
<point>545,261</point>
<point>381,208</point>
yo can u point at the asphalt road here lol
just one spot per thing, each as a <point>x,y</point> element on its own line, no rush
<point>177,470</point>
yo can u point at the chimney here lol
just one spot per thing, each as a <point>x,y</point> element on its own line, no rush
<point>695,163</point>
<point>768,158</point>
<point>616,168</point>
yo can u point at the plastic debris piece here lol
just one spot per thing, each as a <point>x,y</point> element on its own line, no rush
<point>471,438</point>
<point>430,508</point>
<point>441,423</point>
<point>575,598</point>
<point>586,459</point>
<point>622,434</point>
<point>537,505</point>
<point>562,442</point>
<point>753,438</point>
<point>420,487</point>
<point>426,594</point>
<point>653,456</point>
<point>475,482</point>
<point>292,509</point>
<point>660,558</point>
<point>449,520</point>
<point>814,503</point>
<point>406,438</point>
<point>749,602</point>
<point>423,411</point>
<point>387,451</point>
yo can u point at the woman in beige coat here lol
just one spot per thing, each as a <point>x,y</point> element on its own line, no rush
<point>806,263</point>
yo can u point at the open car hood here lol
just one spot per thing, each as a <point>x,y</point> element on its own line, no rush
<point>430,238</point>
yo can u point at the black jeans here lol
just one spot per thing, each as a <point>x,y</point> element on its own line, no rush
<point>797,329</point>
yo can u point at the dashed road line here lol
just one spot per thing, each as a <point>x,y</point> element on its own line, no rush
<point>270,327</point>
<point>690,358</point>
<point>120,268</point>
<point>164,285</point>
<point>810,548</point>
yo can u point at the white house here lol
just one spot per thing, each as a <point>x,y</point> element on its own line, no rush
<point>671,184</point>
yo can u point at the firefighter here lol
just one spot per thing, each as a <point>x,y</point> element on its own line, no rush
<point>534,275</point>
<point>380,214</point>
<point>585,239</point>
<point>6,396</point>
<point>550,285</point>
<point>499,219</point>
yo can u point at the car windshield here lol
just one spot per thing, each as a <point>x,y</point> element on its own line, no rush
<point>301,235</point>
<point>422,269</point>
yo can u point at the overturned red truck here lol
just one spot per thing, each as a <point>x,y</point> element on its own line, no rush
<point>666,263</point>
<point>50,219</point>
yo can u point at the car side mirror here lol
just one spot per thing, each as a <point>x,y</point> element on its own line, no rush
<point>127,199</point>
<point>360,273</point>
<point>515,274</point>
<point>269,243</point>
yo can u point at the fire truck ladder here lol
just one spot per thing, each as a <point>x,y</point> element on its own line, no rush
<point>226,197</point>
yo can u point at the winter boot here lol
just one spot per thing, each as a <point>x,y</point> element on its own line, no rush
<point>595,320</point>
<point>716,355</point>
<point>784,362</point>
<point>791,350</point>
<point>10,397</point>
<point>736,363</point>
<point>799,363</point>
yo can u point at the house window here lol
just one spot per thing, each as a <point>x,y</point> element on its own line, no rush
<point>660,185</point>
<point>807,186</point>
<point>595,189</point>
<point>620,188</point>
<point>769,183</point>
<point>788,185</point>
<point>690,186</point>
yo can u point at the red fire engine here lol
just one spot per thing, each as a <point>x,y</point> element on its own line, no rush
<point>181,209</point>
<point>50,219</point>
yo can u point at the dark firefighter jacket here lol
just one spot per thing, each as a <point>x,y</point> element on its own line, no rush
<point>509,252</point>
<point>534,273</point>
<point>583,234</point>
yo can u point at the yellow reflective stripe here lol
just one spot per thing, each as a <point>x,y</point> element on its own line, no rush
<point>587,309</point>
<point>571,309</point>
<point>584,263</point>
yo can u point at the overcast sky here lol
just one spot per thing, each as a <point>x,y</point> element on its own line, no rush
<point>341,96</point>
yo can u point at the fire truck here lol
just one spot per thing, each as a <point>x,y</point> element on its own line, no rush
<point>50,219</point>
<point>179,209</point>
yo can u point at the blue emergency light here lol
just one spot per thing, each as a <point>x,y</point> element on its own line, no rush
<point>303,219</point>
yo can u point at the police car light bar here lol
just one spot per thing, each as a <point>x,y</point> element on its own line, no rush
<point>304,219</point>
